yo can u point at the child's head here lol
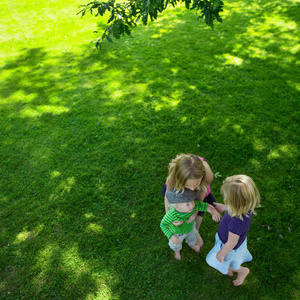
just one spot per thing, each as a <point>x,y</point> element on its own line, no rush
<point>240,195</point>
<point>186,171</point>
<point>182,201</point>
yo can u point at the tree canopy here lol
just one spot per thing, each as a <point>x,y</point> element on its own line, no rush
<point>124,16</point>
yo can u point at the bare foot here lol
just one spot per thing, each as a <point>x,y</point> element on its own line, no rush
<point>242,274</point>
<point>196,248</point>
<point>177,255</point>
<point>230,273</point>
<point>199,241</point>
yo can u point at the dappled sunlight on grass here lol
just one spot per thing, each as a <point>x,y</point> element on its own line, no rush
<point>23,236</point>
<point>230,59</point>
<point>94,228</point>
<point>295,85</point>
<point>257,52</point>
<point>170,101</point>
<point>128,163</point>
<point>225,124</point>
<point>255,162</point>
<point>19,96</point>
<point>161,32</point>
<point>166,102</point>
<point>44,258</point>
<point>87,136</point>
<point>64,187</point>
<point>39,111</point>
<point>183,119</point>
<point>238,129</point>
<point>258,144</point>
<point>55,174</point>
<point>267,31</point>
<point>3,200</point>
<point>100,185</point>
<point>116,94</point>
<point>89,215</point>
<point>174,70</point>
<point>282,151</point>
<point>265,35</point>
<point>139,88</point>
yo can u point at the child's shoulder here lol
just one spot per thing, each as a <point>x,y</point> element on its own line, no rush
<point>200,204</point>
<point>172,211</point>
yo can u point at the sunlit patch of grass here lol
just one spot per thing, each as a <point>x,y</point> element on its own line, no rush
<point>23,236</point>
<point>231,60</point>
<point>282,151</point>
<point>238,129</point>
<point>19,96</point>
<point>95,228</point>
<point>55,174</point>
<point>43,109</point>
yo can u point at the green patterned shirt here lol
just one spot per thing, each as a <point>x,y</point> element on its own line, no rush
<point>173,215</point>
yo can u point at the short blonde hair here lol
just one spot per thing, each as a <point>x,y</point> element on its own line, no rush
<point>184,167</point>
<point>174,205</point>
<point>240,195</point>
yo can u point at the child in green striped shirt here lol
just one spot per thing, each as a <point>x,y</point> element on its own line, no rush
<point>182,206</point>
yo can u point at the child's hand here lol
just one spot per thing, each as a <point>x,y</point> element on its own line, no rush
<point>216,217</point>
<point>177,223</point>
<point>220,257</point>
<point>214,213</point>
<point>175,239</point>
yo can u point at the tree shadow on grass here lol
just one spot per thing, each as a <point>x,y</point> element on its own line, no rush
<point>86,142</point>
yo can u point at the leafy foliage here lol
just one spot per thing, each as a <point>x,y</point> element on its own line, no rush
<point>124,16</point>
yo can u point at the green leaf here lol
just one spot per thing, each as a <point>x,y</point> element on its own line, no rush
<point>216,3</point>
<point>108,38</point>
<point>98,45</point>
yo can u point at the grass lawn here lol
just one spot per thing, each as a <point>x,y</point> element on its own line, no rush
<point>86,137</point>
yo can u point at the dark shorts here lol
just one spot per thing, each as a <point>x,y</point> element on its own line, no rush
<point>210,199</point>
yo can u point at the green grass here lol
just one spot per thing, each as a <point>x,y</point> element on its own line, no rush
<point>86,137</point>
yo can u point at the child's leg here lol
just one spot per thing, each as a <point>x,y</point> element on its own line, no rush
<point>230,272</point>
<point>198,245</point>
<point>177,247</point>
<point>193,239</point>
<point>242,273</point>
<point>177,255</point>
<point>196,248</point>
<point>198,221</point>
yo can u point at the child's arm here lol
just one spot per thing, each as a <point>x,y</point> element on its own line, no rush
<point>229,245</point>
<point>164,225</point>
<point>199,206</point>
<point>214,213</point>
<point>167,203</point>
<point>209,176</point>
<point>220,207</point>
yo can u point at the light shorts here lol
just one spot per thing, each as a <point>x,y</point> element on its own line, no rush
<point>233,259</point>
<point>191,239</point>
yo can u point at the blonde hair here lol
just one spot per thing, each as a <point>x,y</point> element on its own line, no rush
<point>240,195</point>
<point>173,205</point>
<point>184,167</point>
